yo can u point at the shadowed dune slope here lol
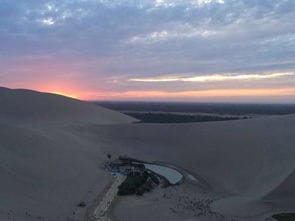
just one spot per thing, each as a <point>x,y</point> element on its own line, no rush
<point>45,170</point>
<point>25,106</point>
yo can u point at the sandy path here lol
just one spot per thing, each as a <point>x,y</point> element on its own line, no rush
<point>100,213</point>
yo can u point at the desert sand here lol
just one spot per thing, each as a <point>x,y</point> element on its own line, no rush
<point>52,149</point>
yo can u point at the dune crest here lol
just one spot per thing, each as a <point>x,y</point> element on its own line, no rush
<point>19,106</point>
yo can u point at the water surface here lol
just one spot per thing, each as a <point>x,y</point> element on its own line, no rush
<point>172,175</point>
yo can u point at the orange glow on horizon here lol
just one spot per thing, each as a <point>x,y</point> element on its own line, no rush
<point>64,94</point>
<point>71,90</point>
<point>81,93</point>
<point>214,93</point>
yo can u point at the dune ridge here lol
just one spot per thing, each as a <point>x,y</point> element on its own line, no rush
<point>26,106</point>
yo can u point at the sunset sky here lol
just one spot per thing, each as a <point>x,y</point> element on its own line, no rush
<point>160,50</point>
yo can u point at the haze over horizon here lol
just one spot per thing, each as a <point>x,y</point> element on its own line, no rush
<point>156,50</point>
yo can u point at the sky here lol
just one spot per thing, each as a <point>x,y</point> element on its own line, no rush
<point>159,50</point>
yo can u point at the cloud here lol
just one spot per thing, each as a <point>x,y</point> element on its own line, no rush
<point>194,3</point>
<point>215,78</point>
<point>47,21</point>
<point>179,32</point>
<point>99,40</point>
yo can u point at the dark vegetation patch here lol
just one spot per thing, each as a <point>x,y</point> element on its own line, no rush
<point>284,217</point>
<point>154,179</point>
<point>213,108</point>
<point>138,184</point>
<point>82,204</point>
<point>178,118</point>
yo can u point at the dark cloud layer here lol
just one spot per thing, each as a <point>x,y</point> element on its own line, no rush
<point>103,43</point>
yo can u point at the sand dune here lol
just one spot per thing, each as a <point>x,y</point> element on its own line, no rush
<point>51,149</point>
<point>25,106</point>
<point>254,144</point>
<point>45,170</point>
<point>252,161</point>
